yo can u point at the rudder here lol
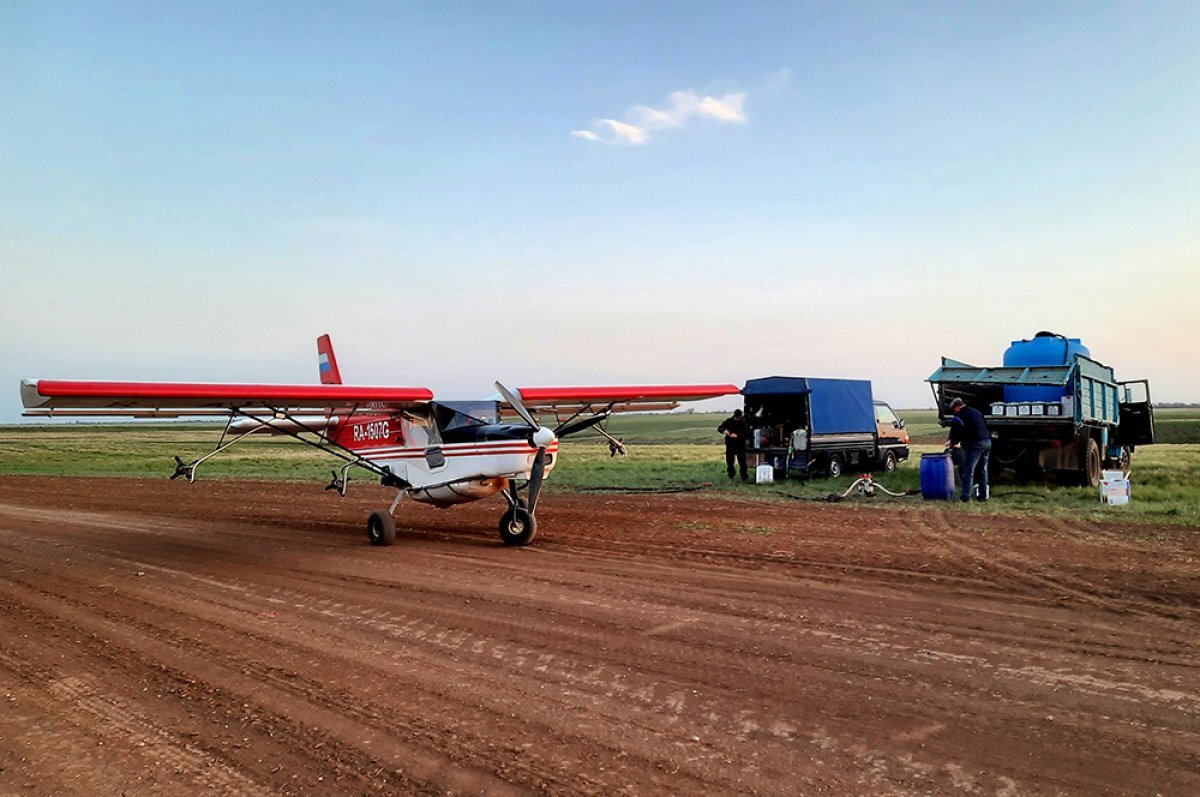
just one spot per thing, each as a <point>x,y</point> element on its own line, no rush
<point>327,363</point>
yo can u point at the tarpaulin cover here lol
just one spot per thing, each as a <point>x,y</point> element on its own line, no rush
<point>839,406</point>
<point>776,386</point>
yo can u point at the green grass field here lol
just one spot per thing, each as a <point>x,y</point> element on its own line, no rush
<point>665,451</point>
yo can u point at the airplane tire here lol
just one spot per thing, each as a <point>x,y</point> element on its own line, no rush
<point>381,528</point>
<point>517,526</point>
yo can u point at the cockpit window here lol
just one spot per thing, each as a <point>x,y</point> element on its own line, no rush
<point>460,414</point>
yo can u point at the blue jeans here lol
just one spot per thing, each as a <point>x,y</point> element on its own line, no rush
<point>975,459</point>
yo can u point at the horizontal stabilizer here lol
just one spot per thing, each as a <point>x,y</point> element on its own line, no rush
<point>286,426</point>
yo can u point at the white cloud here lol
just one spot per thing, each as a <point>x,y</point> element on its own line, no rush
<point>623,133</point>
<point>681,106</point>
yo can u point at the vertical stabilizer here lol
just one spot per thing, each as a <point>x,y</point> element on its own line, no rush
<point>327,363</point>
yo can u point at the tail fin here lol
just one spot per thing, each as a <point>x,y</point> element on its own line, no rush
<point>327,363</point>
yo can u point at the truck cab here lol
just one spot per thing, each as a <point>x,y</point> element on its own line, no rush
<point>891,437</point>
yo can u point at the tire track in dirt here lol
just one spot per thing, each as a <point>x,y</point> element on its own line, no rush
<point>300,719</point>
<point>1036,579</point>
<point>717,668</point>
<point>118,723</point>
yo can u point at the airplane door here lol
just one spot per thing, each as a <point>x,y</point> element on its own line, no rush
<point>422,432</point>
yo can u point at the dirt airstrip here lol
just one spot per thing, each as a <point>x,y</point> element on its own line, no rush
<point>243,638</point>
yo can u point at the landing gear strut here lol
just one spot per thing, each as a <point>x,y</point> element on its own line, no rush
<point>517,525</point>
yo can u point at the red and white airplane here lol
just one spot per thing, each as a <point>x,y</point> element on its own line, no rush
<point>436,452</point>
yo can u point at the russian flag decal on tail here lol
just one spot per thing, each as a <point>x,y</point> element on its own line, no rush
<point>327,363</point>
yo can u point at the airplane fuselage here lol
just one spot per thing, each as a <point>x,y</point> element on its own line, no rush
<point>448,467</point>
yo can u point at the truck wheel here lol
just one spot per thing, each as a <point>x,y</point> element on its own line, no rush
<point>1126,462</point>
<point>835,466</point>
<point>889,462</point>
<point>1091,464</point>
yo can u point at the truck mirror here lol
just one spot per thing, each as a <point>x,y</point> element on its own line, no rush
<point>898,424</point>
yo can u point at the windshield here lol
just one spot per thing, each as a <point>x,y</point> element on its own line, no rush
<point>884,414</point>
<point>459,414</point>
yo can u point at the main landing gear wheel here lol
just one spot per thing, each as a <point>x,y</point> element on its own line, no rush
<point>381,528</point>
<point>517,526</point>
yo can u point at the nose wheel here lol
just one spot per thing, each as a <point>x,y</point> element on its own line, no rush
<point>517,525</point>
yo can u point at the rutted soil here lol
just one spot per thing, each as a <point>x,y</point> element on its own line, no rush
<point>243,638</point>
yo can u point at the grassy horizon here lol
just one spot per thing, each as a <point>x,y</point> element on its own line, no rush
<point>666,451</point>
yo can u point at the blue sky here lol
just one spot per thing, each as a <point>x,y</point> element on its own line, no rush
<point>196,191</point>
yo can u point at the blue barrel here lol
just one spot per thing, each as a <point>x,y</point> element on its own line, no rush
<point>937,477</point>
<point>1046,348</point>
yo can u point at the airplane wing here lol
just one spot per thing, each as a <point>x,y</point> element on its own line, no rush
<point>615,398</point>
<point>55,397</point>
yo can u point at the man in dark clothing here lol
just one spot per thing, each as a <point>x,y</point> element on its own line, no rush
<point>736,432</point>
<point>977,448</point>
<point>954,445</point>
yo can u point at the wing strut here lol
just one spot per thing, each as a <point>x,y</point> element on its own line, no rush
<point>322,443</point>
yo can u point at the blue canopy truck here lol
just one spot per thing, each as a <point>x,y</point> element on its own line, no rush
<point>805,426</point>
<point>1051,408</point>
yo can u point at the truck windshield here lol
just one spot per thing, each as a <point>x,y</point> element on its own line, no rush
<point>884,414</point>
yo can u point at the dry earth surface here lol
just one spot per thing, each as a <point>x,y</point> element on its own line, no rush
<point>243,638</point>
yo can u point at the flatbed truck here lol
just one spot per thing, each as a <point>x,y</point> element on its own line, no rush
<point>1085,421</point>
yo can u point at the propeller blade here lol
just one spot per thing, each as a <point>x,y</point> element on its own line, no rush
<point>536,473</point>
<point>578,425</point>
<point>517,405</point>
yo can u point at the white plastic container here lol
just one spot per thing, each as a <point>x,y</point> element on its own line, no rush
<point>997,408</point>
<point>764,474</point>
<point>1115,491</point>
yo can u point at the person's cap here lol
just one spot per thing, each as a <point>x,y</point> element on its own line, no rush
<point>736,413</point>
<point>957,403</point>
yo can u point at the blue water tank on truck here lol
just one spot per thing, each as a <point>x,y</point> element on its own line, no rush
<point>1051,408</point>
<point>1045,348</point>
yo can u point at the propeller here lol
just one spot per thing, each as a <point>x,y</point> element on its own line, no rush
<point>511,398</point>
<point>541,437</point>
